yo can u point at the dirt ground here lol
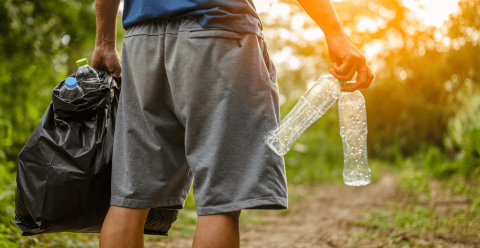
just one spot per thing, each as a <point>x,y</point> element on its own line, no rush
<point>324,218</point>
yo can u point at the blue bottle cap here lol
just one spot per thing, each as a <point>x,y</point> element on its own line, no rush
<point>71,82</point>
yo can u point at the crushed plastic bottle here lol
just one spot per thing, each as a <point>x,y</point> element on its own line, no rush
<point>311,106</point>
<point>86,76</point>
<point>353,130</point>
<point>70,90</point>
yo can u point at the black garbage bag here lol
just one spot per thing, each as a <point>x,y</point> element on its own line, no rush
<point>64,169</point>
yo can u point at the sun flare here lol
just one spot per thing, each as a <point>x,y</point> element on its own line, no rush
<point>431,12</point>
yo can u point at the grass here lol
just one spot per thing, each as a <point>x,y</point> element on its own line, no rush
<point>414,221</point>
<point>427,207</point>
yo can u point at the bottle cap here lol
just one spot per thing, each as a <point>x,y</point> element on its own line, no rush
<point>71,82</point>
<point>344,83</point>
<point>81,62</point>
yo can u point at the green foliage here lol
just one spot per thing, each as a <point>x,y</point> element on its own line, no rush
<point>38,39</point>
<point>9,233</point>
<point>317,156</point>
<point>420,221</point>
<point>39,44</point>
<point>476,203</point>
<point>471,158</point>
<point>416,219</point>
<point>438,165</point>
<point>420,82</point>
<point>423,107</point>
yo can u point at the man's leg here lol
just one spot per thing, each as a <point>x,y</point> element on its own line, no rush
<point>123,228</point>
<point>217,231</point>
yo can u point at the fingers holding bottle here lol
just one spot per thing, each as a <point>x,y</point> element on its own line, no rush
<point>364,79</point>
<point>348,60</point>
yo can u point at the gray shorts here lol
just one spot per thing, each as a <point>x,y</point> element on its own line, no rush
<point>196,103</point>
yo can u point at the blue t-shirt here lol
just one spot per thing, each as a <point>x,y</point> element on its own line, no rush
<point>234,15</point>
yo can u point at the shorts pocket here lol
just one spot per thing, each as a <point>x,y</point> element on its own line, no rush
<point>216,33</point>
<point>268,62</point>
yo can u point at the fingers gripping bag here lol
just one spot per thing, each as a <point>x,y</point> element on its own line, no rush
<point>64,169</point>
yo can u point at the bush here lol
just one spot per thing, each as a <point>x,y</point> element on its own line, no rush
<point>471,158</point>
<point>9,232</point>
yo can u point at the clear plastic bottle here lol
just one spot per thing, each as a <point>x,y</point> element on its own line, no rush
<point>311,106</point>
<point>353,130</point>
<point>86,76</point>
<point>71,90</point>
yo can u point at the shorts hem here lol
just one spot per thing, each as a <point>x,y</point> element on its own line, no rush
<point>172,202</point>
<point>258,203</point>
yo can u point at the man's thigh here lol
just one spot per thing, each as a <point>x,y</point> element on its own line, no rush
<point>149,164</point>
<point>225,94</point>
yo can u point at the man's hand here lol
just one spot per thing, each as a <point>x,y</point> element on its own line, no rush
<point>107,59</point>
<point>345,56</point>
<point>347,60</point>
<point>105,55</point>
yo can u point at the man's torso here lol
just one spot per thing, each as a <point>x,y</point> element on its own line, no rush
<point>233,15</point>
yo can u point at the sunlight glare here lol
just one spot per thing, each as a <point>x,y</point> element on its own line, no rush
<point>264,5</point>
<point>297,21</point>
<point>313,34</point>
<point>437,35</point>
<point>294,63</point>
<point>279,9</point>
<point>284,33</point>
<point>310,84</point>
<point>367,24</point>
<point>120,8</point>
<point>432,12</point>
<point>447,41</point>
<point>372,49</point>
<point>283,55</point>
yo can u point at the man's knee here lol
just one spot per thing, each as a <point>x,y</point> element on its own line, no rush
<point>234,214</point>
<point>128,212</point>
<point>230,215</point>
<point>127,217</point>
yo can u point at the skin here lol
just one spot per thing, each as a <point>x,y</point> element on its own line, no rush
<point>345,56</point>
<point>123,227</point>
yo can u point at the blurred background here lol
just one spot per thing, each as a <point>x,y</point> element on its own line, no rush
<point>423,108</point>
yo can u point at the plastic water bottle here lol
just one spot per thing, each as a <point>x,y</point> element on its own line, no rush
<point>311,106</point>
<point>353,130</point>
<point>86,76</point>
<point>71,90</point>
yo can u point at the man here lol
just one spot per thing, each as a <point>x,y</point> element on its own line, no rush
<point>199,92</point>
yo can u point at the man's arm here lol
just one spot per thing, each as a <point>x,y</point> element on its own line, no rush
<point>105,55</point>
<point>345,56</point>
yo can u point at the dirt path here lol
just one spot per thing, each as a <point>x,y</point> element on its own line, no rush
<point>324,218</point>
